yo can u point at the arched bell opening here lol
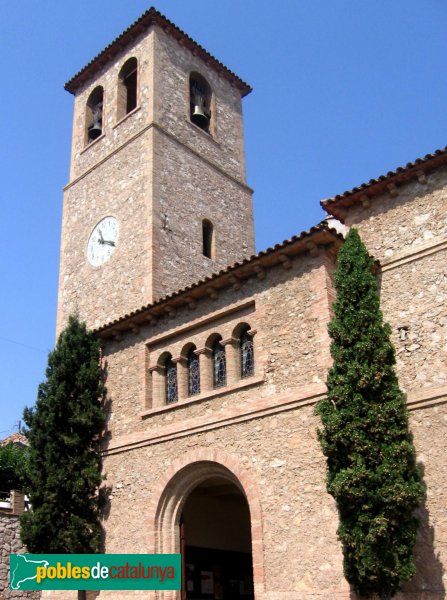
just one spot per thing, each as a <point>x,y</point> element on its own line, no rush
<point>127,88</point>
<point>200,102</point>
<point>93,115</point>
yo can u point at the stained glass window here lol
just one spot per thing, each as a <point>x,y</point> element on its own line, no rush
<point>193,374</point>
<point>219,365</point>
<point>171,382</point>
<point>247,355</point>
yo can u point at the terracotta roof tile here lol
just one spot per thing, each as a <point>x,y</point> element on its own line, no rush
<point>375,187</point>
<point>16,438</point>
<point>147,19</point>
<point>222,275</point>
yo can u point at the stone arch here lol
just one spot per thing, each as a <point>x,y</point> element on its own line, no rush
<point>93,115</point>
<point>163,358</point>
<point>201,100</point>
<point>127,88</point>
<point>212,339</point>
<point>173,490</point>
<point>187,348</point>
<point>240,328</point>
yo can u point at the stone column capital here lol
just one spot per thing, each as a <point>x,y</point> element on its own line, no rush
<point>205,351</point>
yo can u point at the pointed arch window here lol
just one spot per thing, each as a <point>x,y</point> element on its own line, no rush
<point>94,114</point>
<point>247,354</point>
<point>127,87</point>
<point>171,381</point>
<point>208,239</point>
<point>219,365</point>
<point>193,365</point>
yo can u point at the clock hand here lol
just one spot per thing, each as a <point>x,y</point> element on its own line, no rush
<point>108,243</point>
<point>101,239</point>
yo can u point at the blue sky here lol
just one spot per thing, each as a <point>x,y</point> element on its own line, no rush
<point>343,91</point>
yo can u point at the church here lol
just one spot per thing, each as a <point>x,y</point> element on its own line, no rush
<point>216,356</point>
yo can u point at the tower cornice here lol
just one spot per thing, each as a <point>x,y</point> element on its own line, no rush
<point>338,205</point>
<point>148,19</point>
<point>163,131</point>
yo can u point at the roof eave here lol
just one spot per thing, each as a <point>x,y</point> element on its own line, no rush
<point>149,18</point>
<point>230,277</point>
<point>389,183</point>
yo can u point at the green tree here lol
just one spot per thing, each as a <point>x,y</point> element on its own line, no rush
<point>372,472</point>
<point>64,428</point>
<point>13,467</point>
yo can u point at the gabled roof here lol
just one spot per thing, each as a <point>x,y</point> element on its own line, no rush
<point>337,205</point>
<point>149,18</point>
<point>232,276</point>
<point>18,439</point>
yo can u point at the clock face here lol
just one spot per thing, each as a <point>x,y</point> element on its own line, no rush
<point>102,241</point>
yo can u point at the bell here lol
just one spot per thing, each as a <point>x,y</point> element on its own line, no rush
<point>199,117</point>
<point>94,130</point>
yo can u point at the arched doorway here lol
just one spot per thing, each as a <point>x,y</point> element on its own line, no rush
<point>216,543</point>
<point>193,477</point>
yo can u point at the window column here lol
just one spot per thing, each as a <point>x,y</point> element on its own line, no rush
<point>182,376</point>
<point>158,375</point>
<point>206,369</point>
<point>232,354</point>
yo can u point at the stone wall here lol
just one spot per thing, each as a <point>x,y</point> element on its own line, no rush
<point>414,296</point>
<point>264,425</point>
<point>429,428</point>
<point>10,543</point>
<point>407,232</point>
<point>280,453</point>
<point>289,311</point>
<point>406,222</point>
<point>85,157</point>
<point>159,175</point>
<point>196,175</point>
<point>120,187</point>
<point>263,429</point>
<point>225,147</point>
<point>187,190</point>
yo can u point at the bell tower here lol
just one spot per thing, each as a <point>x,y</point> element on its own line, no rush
<point>157,197</point>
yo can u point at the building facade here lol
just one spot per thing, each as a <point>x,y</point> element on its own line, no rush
<point>215,356</point>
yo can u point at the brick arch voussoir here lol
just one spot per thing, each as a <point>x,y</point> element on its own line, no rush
<point>179,480</point>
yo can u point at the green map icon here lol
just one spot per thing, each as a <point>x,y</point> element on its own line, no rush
<point>23,569</point>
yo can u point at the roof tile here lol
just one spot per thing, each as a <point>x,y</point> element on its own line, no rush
<point>320,227</point>
<point>151,17</point>
<point>377,186</point>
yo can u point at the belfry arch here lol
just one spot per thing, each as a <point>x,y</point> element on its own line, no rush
<point>197,471</point>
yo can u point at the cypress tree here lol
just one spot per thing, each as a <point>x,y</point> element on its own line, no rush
<point>372,472</point>
<point>63,431</point>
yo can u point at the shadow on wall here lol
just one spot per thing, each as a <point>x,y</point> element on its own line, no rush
<point>428,583</point>
<point>429,568</point>
<point>105,503</point>
<point>105,491</point>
